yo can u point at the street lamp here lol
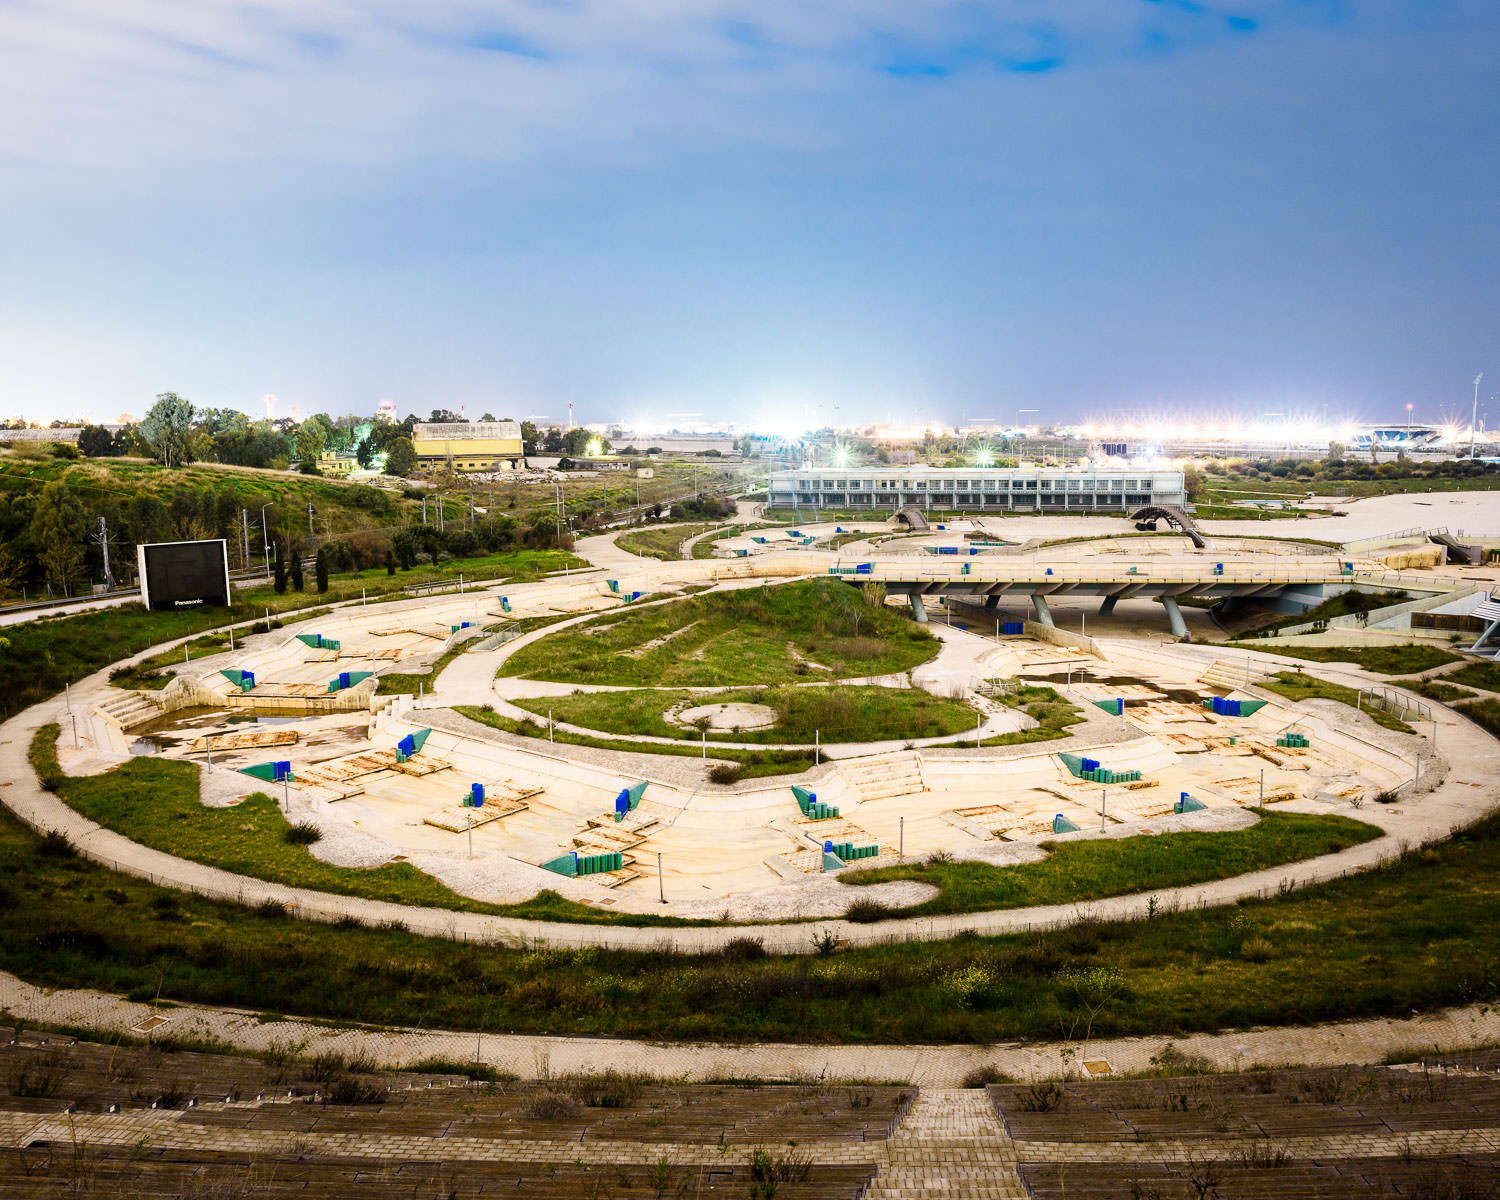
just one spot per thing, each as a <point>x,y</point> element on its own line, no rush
<point>1474,415</point>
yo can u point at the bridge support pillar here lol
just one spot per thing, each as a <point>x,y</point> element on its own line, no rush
<point>992,602</point>
<point>1174,615</point>
<point>1039,606</point>
<point>1108,606</point>
<point>918,609</point>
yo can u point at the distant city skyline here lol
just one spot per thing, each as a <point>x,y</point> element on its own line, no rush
<point>781,217</point>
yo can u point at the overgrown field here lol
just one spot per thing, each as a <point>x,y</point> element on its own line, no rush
<point>836,713</point>
<point>731,765</point>
<point>1408,659</point>
<point>663,542</point>
<point>1416,936</point>
<point>1098,867</point>
<point>811,630</point>
<point>1305,687</point>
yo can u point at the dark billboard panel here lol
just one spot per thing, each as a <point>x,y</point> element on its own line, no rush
<point>184,574</point>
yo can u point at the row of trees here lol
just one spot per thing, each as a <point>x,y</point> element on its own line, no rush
<point>175,433</point>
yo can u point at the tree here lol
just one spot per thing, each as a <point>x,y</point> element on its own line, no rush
<point>1192,482</point>
<point>489,416</point>
<point>1335,451</point>
<point>529,435</point>
<point>390,562</point>
<point>321,570</point>
<point>401,458</point>
<point>443,416</point>
<point>296,571</point>
<point>553,444</point>
<point>311,439</point>
<point>167,427</point>
<point>59,527</point>
<point>94,441</point>
<point>280,577</point>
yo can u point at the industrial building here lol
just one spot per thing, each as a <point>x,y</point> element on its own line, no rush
<point>976,489</point>
<point>469,445</point>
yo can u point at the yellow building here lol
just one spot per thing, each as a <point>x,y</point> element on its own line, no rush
<point>332,462</point>
<point>469,445</point>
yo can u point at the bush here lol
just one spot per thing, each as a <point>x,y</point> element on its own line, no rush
<point>867,912</point>
<point>726,773</point>
<point>355,1091</point>
<point>743,949</point>
<point>303,833</point>
<point>984,1076</point>
<point>550,1106</point>
<point>55,844</point>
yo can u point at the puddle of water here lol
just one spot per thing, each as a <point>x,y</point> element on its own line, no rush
<point>185,724</point>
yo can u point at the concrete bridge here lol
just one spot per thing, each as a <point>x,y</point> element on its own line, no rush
<point>1288,585</point>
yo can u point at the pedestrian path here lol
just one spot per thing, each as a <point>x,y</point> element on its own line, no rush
<point>951,1144</point>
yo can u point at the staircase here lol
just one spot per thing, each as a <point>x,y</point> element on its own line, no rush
<point>127,708</point>
<point>1229,674</point>
<point>879,776</point>
<point>950,1145</point>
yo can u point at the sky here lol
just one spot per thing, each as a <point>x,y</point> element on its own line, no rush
<point>771,213</point>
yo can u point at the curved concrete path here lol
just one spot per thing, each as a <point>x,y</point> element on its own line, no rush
<point>934,1066</point>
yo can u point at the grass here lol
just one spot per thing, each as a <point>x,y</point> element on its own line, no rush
<point>1418,935</point>
<point>837,714</point>
<point>1344,604</point>
<point>46,653</point>
<point>663,542</point>
<point>815,629</point>
<point>148,675</point>
<point>1484,713</point>
<point>751,764</point>
<point>155,801</point>
<point>1053,716</point>
<point>1485,676</point>
<point>1305,687</point>
<point>1444,693</point>
<point>1408,659</point>
<point>1091,869</point>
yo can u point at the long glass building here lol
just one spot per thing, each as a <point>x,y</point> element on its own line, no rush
<point>976,489</point>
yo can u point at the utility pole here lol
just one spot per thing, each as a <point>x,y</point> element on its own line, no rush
<point>309,519</point>
<point>102,537</point>
<point>245,535</point>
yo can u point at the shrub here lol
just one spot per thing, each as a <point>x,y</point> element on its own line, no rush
<point>1256,949</point>
<point>348,1090</point>
<point>55,844</point>
<point>726,773</point>
<point>743,949</point>
<point>867,912</point>
<point>303,833</point>
<point>551,1106</point>
<point>984,1076</point>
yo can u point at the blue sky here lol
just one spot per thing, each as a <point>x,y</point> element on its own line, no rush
<point>766,212</point>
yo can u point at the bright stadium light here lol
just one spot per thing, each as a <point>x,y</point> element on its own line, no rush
<point>985,458</point>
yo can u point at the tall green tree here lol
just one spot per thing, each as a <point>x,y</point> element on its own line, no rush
<point>280,577</point>
<point>167,429</point>
<point>94,441</point>
<point>401,458</point>
<point>296,571</point>
<point>59,527</point>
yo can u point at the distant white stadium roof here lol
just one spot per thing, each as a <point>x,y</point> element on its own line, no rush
<point>462,430</point>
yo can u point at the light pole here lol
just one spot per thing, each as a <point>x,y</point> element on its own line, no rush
<point>1474,415</point>
<point>265,541</point>
<point>1019,413</point>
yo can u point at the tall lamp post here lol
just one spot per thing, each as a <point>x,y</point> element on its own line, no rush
<point>1474,415</point>
<point>1019,413</point>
